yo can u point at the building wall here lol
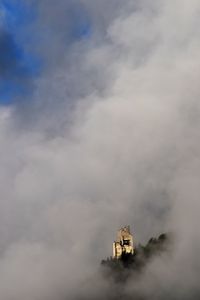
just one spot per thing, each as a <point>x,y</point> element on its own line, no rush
<point>124,243</point>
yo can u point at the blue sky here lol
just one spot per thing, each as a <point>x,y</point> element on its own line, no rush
<point>19,66</point>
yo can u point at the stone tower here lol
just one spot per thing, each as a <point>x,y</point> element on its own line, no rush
<point>124,243</point>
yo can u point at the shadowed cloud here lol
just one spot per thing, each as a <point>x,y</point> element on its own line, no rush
<point>109,136</point>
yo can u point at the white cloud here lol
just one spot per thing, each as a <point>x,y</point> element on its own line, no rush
<point>129,156</point>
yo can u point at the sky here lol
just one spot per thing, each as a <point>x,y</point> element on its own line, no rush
<point>99,128</point>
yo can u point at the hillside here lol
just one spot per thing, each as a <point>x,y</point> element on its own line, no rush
<point>120,269</point>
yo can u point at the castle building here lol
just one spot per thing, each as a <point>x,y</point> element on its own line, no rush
<point>124,243</point>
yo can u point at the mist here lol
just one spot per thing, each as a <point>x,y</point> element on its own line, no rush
<point>109,137</point>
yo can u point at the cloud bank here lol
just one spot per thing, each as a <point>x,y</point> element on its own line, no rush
<point>109,137</point>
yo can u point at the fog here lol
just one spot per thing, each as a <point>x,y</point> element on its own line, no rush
<point>109,137</point>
